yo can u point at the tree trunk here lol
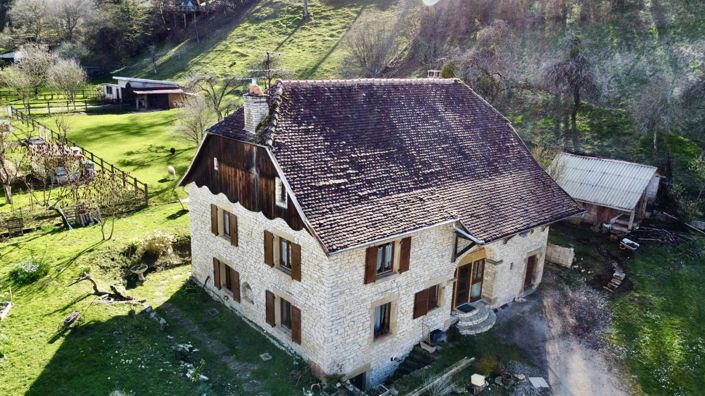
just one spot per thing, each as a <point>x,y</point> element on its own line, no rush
<point>8,193</point>
<point>305,9</point>
<point>557,108</point>
<point>655,142</point>
<point>574,120</point>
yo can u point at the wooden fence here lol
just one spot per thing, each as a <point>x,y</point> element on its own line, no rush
<point>139,187</point>
<point>7,96</point>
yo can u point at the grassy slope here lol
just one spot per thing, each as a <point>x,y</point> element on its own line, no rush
<point>110,349</point>
<point>309,49</point>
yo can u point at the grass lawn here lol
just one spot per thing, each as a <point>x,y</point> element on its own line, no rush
<point>138,143</point>
<point>658,324</point>
<point>113,348</point>
<point>309,49</point>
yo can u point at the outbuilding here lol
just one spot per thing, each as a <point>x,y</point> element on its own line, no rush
<point>145,94</point>
<point>615,194</point>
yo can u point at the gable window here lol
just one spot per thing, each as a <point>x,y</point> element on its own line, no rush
<point>215,163</point>
<point>426,300</point>
<point>284,255</point>
<point>280,193</point>
<point>385,258</point>
<point>382,319</point>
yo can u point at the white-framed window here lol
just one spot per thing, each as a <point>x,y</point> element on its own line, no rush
<point>215,163</point>
<point>284,254</point>
<point>226,223</point>
<point>385,258</point>
<point>383,320</point>
<point>280,193</point>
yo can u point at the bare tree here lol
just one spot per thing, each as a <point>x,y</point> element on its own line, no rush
<point>372,47</point>
<point>574,77</point>
<point>654,109</point>
<point>193,120</point>
<point>215,90</point>
<point>20,82</point>
<point>12,160</point>
<point>69,16</point>
<point>67,76</point>
<point>35,61</point>
<point>306,14</point>
<point>30,19</point>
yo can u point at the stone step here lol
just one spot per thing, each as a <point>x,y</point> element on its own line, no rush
<point>469,311</point>
<point>480,327</point>
<point>481,317</point>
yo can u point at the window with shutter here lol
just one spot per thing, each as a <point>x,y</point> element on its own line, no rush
<point>269,308</point>
<point>214,219</point>
<point>232,221</point>
<point>420,303</point>
<point>269,248</point>
<point>404,254</point>
<point>216,273</point>
<point>296,325</point>
<point>426,300</point>
<point>235,284</point>
<point>296,262</point>
<point>371,265</point>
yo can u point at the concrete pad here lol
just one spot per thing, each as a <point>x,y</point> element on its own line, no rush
<point>538,382</point>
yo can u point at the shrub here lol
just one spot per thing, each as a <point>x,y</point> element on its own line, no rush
<point>488,364</point>
<point>158,245</point>
<point>29,272</point>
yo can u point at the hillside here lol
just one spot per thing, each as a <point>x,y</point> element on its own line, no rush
<point>308,49</point>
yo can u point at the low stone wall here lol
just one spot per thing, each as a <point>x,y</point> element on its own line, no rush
<point>560,255</point>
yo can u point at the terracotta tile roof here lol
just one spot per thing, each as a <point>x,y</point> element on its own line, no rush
<point>369,159</point>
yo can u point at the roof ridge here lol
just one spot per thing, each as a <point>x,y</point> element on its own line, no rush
<point>589,157</point>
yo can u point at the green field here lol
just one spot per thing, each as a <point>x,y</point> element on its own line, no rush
<point>111,348</point>
<point>138,143</point>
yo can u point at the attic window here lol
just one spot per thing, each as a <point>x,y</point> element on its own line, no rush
<point>215,163</point>
<point>280,193</point>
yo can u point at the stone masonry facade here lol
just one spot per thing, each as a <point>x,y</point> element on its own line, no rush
<point>337,307</point>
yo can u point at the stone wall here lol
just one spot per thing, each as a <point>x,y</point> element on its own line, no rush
<point>337,307</point>
<point>247,258</point>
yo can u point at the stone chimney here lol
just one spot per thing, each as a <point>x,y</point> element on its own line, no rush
<point>256,107</point>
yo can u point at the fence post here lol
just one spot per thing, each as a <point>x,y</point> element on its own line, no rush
<point>146,194</point>
<point>48,108</point>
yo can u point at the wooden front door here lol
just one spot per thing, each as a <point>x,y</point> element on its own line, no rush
<point>468,282</point>
<point>530,269</point>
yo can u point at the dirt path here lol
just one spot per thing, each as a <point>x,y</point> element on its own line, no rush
<point>572,367</point>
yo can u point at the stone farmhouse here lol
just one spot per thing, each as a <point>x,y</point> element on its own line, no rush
<point>349,219</point>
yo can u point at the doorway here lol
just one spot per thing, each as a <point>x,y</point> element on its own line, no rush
<point>468,282</point>
<point>530,272</point>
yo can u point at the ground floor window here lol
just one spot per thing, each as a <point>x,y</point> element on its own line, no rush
<point>382,320</point>
<point>285,314</point>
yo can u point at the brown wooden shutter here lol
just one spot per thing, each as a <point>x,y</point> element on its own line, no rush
<point>296,262</point>
<point>214,219</point>
<point>371,265</point>
<point>233,229</point>
<point>421,303</point>
<point>404,254</point>
<point>296,325</point>
<point>269,248</point>
<point>235,284</point>
<point>269,296</point>
<point>216,272</point>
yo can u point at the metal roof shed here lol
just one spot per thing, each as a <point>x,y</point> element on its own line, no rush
<point>614,184</point>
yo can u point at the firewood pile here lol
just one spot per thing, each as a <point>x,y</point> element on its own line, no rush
<point>658,235</point>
